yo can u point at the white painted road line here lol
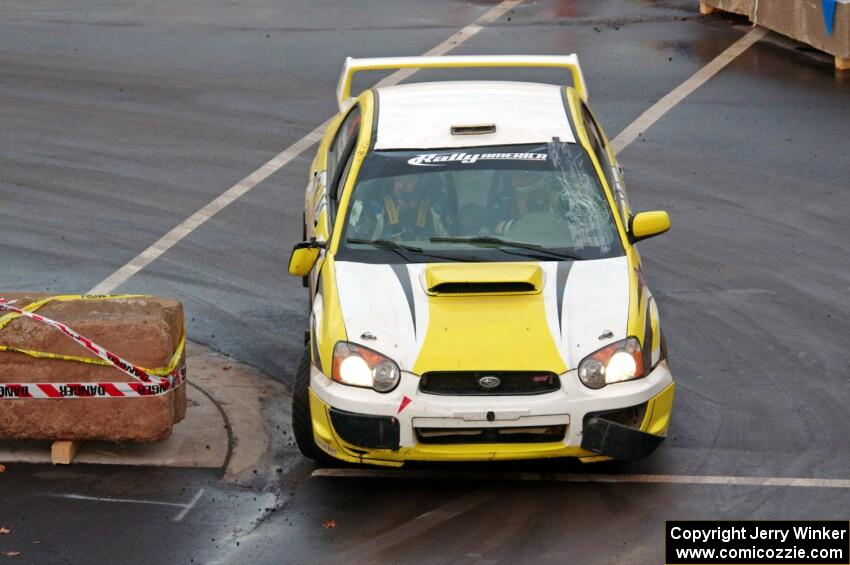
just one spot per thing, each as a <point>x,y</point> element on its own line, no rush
<point>188,507</point>
<point>722,480</point>
<point>280,160</point>
<point>416,526</point>
<point>679,93</point>
<point>463,35</point>
<point>193,222</point>
<point>179,517</point>
<point>108,499</point>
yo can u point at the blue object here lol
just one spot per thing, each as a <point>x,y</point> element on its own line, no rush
<point>828,14</point>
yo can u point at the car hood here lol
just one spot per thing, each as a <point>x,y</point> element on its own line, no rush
<point>485,316</point>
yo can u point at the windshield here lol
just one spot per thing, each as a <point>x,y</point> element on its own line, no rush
<point>505,203</point>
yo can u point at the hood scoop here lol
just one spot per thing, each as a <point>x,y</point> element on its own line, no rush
<point>483,288</point>
<point>467,279</point>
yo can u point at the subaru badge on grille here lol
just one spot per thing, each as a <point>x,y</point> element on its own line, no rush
<point>489,381</point>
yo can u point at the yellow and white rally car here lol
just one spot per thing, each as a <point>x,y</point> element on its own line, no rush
<point>475,289</point>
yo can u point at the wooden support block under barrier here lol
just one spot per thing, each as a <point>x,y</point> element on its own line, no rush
<point>62,452</point>
<point>842,64</point>
<point>705,9</point>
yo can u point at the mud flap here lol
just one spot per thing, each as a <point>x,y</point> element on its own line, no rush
<point>618,441</point>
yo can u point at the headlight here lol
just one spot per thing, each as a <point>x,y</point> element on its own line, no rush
<point>356,365</point>
<point>614,363</point>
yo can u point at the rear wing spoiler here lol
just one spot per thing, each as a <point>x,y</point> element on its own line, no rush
<point>352,66</point>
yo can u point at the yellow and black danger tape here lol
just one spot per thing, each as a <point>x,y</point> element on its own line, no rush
<point>148,382</point>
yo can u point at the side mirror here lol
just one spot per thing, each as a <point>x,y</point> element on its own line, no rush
<point>303,258</point>
<point>648,224</point>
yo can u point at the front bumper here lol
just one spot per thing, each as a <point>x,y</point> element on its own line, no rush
<point>364,426</point>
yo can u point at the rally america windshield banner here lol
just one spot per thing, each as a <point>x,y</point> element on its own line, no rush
<point>540,157</point>
<point>440,159</point>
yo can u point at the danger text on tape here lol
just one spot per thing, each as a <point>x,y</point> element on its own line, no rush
<point>146,382</point>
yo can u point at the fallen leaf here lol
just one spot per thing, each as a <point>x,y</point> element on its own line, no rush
<point>4,530</point>
<point>329,524</point>
<point>11,553</point>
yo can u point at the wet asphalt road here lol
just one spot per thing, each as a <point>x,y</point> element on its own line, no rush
<point>121,119</point>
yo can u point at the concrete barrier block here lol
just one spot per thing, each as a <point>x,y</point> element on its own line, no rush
<point>145,331</point>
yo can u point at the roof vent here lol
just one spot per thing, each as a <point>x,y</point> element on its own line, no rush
<point>474,130</point>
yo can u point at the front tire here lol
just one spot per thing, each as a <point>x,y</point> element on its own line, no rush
<point>302,421</point>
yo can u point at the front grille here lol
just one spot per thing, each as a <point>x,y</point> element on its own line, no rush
<point>528,434</point>
<point>474,383</point>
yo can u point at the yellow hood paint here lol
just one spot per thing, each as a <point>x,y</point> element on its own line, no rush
<point>488,332</point>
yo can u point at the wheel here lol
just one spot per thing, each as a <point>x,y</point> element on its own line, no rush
<point>302,423</point>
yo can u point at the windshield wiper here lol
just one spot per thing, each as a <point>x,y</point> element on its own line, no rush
<point>389,244</point>
<point>490,240</point>
<point>400,248</point>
